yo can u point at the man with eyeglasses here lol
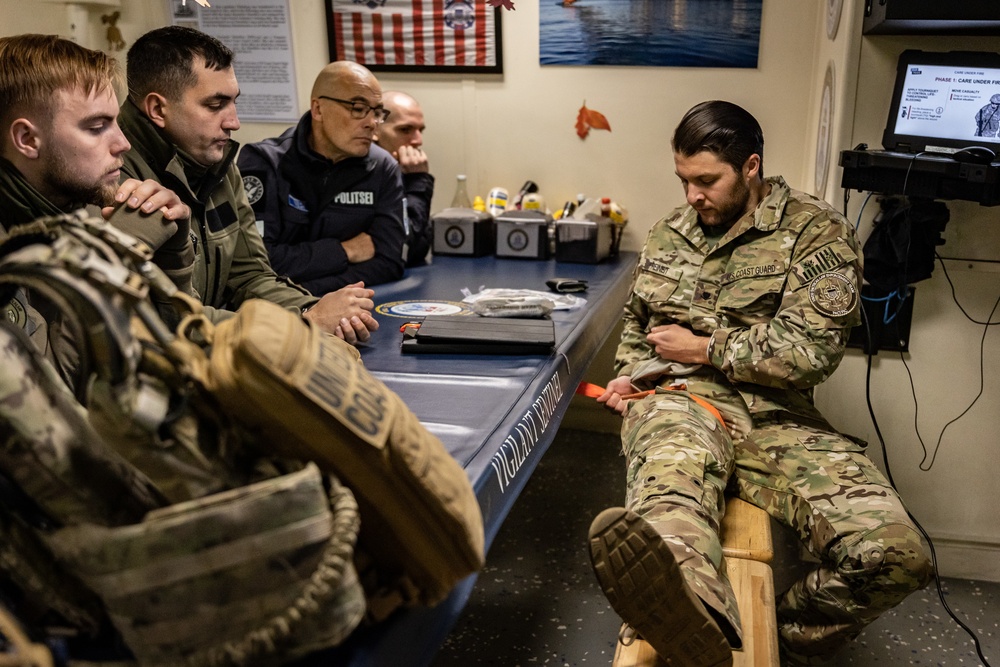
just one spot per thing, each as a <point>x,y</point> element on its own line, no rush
<point>179,115</point>
<point>330,203</point>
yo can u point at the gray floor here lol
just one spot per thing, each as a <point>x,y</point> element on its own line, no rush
<point>537,603</point>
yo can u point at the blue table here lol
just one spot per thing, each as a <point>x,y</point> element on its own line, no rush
<point>496,414</point>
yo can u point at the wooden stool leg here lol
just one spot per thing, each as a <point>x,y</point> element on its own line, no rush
<point>754,586</point>
<point>747,546</point>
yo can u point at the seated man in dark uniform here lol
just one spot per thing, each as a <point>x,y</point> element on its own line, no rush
<point>328,202</point>
<point>402,134</point>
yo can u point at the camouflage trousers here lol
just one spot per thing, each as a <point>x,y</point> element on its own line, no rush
<point>681,463</point>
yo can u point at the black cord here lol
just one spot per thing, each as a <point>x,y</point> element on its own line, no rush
<point>989,320</point>
<point>888,474</point>
<point>982,384</point>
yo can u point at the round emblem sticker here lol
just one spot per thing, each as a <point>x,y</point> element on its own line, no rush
<point>422,308</point>
<point>254,188</point>
<point>833,294</point>
<point>459,15</point>
<point>517,240</point>
<point>454,237</point>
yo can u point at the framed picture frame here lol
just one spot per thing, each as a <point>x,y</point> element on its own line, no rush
<point>444,36</point>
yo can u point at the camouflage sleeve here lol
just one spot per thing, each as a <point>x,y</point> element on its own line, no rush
<point>804,341</point>
<point>633,347</point>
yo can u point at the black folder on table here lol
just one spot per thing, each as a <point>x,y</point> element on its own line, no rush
<point>463,334</point>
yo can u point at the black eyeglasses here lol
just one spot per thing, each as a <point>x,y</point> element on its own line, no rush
<point>360,109</point>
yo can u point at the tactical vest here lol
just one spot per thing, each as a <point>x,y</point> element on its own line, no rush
<point>135,503</point>
<point>186,463</point>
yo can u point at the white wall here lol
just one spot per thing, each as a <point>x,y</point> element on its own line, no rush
<point>956,500</point>
<point>502,130</point>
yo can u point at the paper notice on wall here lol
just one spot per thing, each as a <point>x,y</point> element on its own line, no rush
<point>259,33</point>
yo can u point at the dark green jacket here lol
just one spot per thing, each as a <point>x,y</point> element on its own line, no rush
<point>231,263</point>
<point>21,203</point>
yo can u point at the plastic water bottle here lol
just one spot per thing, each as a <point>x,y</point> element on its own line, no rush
<point>461,198</point>
<point>496,201</point>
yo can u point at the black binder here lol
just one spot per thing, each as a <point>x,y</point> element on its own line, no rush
<point>462,334</point>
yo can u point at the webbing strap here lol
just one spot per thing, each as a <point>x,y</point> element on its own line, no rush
<point>259,547</point>
<point>591,390</point>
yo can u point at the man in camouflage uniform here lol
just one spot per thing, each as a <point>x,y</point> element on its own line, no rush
<point>741,303</point>
<point>61,150</point>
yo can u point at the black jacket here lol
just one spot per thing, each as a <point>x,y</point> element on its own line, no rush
<point>419,190</point>
<point>308,205</point>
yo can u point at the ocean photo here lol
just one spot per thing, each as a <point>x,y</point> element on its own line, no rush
<point>652,33</point>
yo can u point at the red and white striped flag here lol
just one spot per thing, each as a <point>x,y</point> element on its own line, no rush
<point>429,33</point>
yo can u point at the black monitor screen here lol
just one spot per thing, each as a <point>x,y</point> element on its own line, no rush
<point>944,101</point>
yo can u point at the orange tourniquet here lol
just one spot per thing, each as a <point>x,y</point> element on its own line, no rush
<point>593,391</point>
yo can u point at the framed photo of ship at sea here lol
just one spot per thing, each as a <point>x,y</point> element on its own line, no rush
<point>650,33</point>
<point>454,36</point>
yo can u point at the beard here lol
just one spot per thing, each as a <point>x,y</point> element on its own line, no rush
<point>71,189</point>
<point>732,208</point>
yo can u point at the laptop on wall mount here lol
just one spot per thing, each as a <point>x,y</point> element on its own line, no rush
<point>942,134</point>
<point>944,102</point>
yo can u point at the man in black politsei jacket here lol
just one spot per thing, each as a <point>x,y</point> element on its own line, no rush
<point>330,204</point>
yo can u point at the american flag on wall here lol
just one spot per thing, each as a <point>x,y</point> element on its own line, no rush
<point>396,35</point>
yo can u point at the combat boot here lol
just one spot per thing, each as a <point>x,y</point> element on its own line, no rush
<point>644,584</point>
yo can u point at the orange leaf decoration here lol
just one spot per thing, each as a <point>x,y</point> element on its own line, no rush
<point>588,118</point>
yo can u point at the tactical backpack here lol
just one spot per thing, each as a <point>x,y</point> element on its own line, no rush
<point>184,477</point>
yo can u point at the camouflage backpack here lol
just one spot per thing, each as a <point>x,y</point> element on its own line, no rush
<point>196,416</point>
<point>133,502</point>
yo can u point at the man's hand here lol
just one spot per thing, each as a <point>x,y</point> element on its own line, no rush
<point>612,396</point>
<point>345,313</point>
<point>361,248</point>
<point>412,159</point>
<point>149,196</point>
<point>676,343</point>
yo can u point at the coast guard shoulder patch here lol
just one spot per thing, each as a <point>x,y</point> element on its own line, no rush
<point>254,188</point>
<point>833,294</point>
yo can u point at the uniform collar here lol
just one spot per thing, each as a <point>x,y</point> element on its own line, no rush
<point>766,217</point>
<point>20,201</point>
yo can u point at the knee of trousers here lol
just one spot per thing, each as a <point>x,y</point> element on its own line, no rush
<point>679,473</point>
<point>884,564</point>
<point>662,423</point>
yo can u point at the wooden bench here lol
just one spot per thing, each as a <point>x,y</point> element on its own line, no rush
<point>747,549</point>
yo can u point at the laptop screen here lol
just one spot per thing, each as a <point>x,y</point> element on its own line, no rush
<point>943,102</point>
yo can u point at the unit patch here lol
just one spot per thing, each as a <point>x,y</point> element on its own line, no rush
<point>254,188</point>
<point>833,294</point>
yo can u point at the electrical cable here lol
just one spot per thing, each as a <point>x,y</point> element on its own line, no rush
<point>857,224</point>
<point>982,384</point>
<point>888,474</point>
<point>989,321</point>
